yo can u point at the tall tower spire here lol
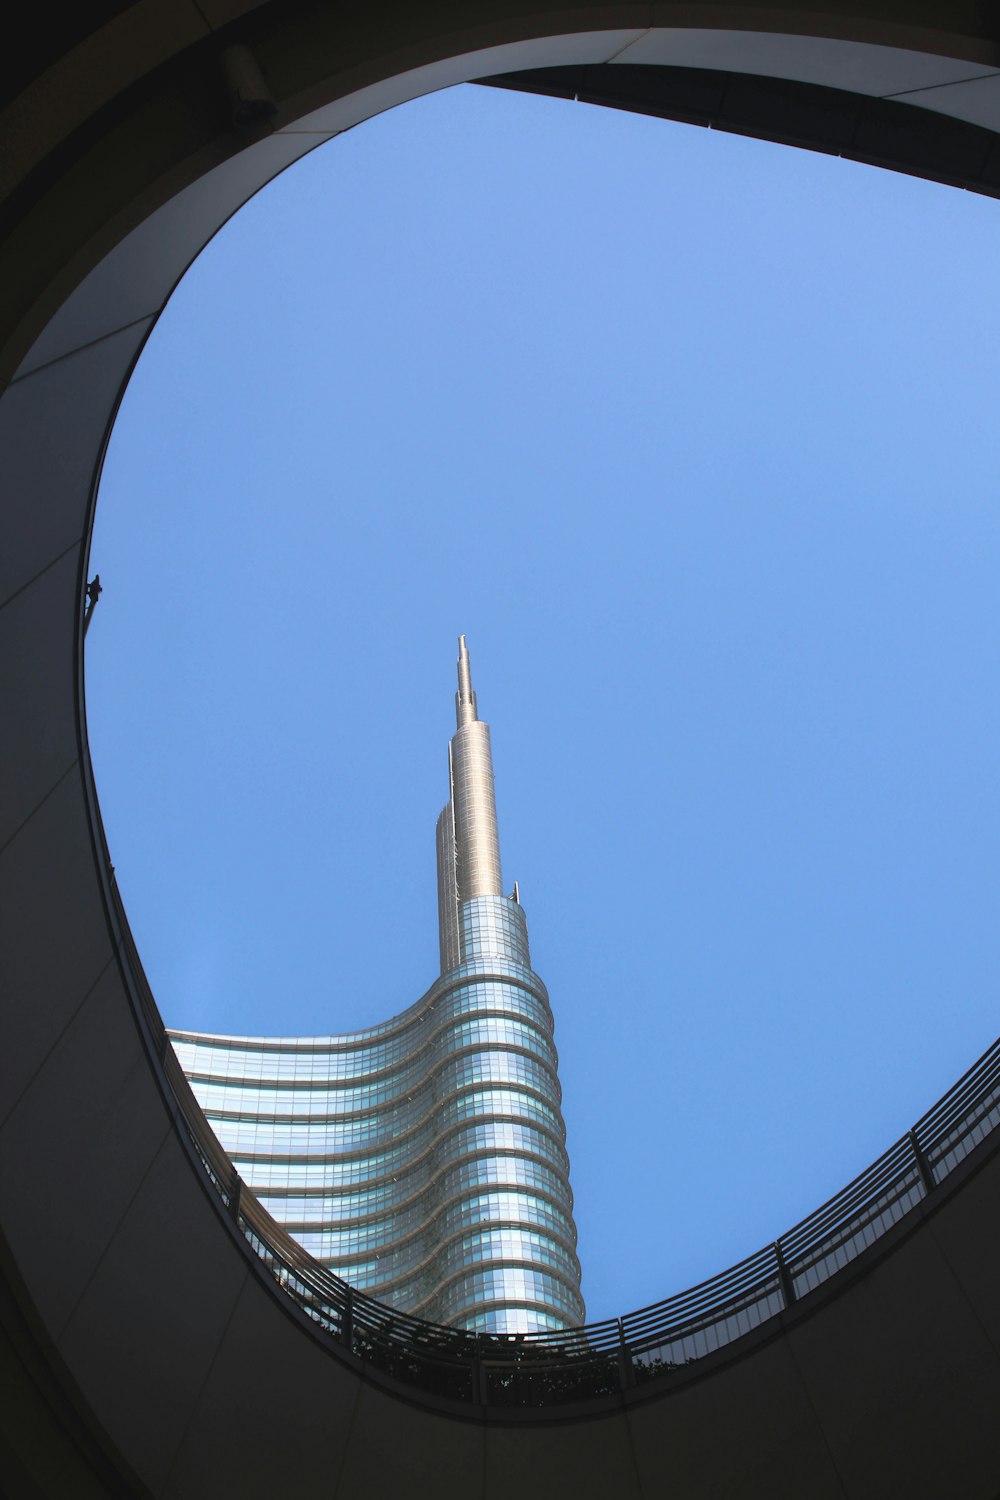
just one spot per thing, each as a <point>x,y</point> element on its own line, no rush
<point>465,699</point>
<point>468,839</point>
<point>476,1225</point>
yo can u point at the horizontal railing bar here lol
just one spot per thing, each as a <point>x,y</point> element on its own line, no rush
<point>970,1082</point>
<point>959,1139</point>
<point>636,1333</point>
<point>854,1199</point>
<point>680,1316</point>
<point>977,1108</point>
<point>674,1332</point>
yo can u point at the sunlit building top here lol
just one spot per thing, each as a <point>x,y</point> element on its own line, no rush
<point>423,1159</point>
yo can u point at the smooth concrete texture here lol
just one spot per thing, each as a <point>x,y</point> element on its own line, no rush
<point>909,1325</point>
<point>751,1427</point>
<point>102,55</point>
<point>977,100</point>
<point>833,62</point>
<point>175,1282</point>
<point>967,1236</point>
<point>54,939</point>
<point>589,1458</point>
<point>132,283</point>
<point>48,1461</point>
<point>52,429</point>
<point>98,1071</point>
<point>395,1449</point>
<point>37,675</point>
<point>154,1356</point>
<point>282,1387</point>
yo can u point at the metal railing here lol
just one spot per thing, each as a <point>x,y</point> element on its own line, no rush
<point>618,1354</point>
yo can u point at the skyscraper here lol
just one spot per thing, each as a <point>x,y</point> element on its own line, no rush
<point>423,1159</point>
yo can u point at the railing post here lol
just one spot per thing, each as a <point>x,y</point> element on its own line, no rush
<point>235,1188</point>
<point>784,1276</point>
<point>923,1165</point>
<point>626,1369</point>
<point>347,1319</point>
<point>480,1392</point>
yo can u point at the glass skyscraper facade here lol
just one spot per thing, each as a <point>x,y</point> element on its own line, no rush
<point>423,1160</point>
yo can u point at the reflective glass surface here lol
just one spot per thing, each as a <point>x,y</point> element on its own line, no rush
<point>423,1159</point>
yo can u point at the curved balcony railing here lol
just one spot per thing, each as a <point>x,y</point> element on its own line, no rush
<point>618,1354</point>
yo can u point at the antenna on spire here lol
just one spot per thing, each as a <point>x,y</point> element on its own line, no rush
<point>465,699</point>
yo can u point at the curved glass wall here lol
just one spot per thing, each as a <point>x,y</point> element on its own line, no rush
<point>423,1159</point>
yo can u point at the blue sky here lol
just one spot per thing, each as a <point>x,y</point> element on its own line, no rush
<point>695,437</point>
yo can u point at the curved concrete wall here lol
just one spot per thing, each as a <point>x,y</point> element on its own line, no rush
<point>145,1353</point>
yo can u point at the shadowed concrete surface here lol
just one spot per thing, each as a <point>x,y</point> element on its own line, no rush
<point>144,1352</point>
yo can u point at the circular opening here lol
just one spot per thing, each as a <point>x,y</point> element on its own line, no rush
<point>691,435</point>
